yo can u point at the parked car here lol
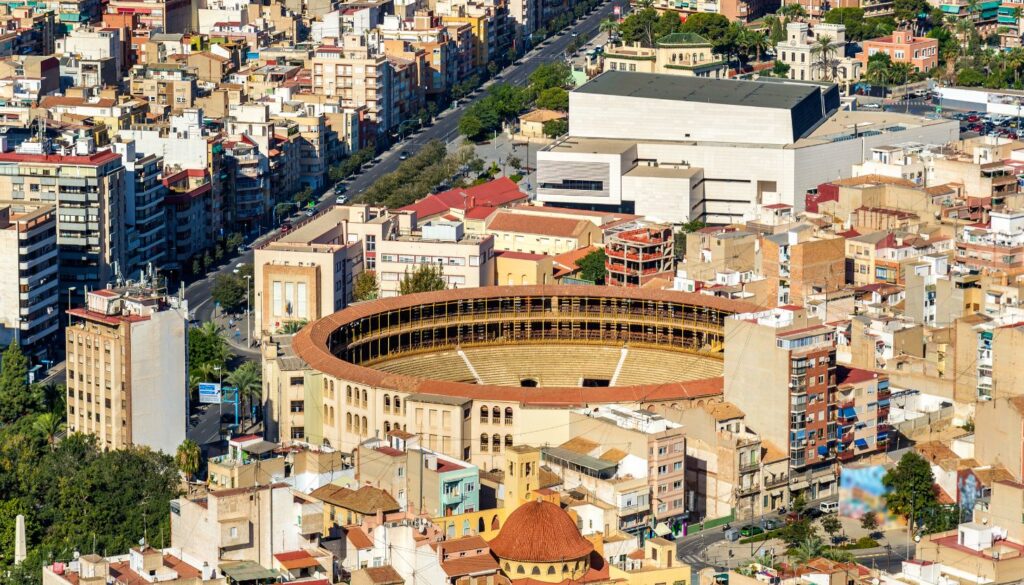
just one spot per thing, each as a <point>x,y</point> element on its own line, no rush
<point>813,513</point>
<point>751,530</point>
<point>286,227</point>
<point>828,507</point>
<point>403,155</point>
<point>732,535</point>
<point>769,524</point>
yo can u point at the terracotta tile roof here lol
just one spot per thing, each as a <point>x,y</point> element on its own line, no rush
<point>296,559</point>
<point>358,538</point>
<point>496,193</point>
<point>613,455</point>
<point>463,544</point>
<point>771,453</point>
<point>721,411</point>
<point>846,375</point>
<point>537,224</point>
<point>310,344</point>
<point>386,575</point>
<point>366,500</point>
<point>569,259</point>
<point>581,445</point>
<point>541,116</point>
<point>472,565</point>
<point>540,531</point>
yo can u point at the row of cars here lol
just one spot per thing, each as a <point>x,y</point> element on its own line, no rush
<point>769,524</point>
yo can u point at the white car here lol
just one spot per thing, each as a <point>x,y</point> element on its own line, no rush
<point>829,507</point>
<point>871,106</point>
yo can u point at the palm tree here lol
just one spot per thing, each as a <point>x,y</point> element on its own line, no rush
<point>792,11</point>
<point>50,426</point>
<point>809,548</point>
<point>610,26</point>
<point>823,49</point>
<point>756,41</point>
<point>187,457</point>
<point>248,378</point>
<point>293,327</point>
<point>773,29</point>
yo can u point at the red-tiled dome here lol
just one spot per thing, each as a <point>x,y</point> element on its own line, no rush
<point>540,532</point>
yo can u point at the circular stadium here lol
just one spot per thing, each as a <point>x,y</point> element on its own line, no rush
<point>550,345</point>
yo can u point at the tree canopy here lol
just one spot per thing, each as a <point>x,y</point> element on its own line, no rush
<point>366,287</point>
<point>911,486</point>
<point>425,278</point>
<point>592,266</point>
<point>17,396</point>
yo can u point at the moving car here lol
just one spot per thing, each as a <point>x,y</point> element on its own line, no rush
<point>403,155</point>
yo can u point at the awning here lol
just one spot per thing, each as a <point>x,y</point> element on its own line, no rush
<point>823,450</point>
<point>861,444</point>
<point>849,413</point>
<point>662,529</point>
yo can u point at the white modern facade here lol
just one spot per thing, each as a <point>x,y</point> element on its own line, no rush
<point>711,149</point>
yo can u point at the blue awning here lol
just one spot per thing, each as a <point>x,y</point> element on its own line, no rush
<point>883,403</point>
<point>849,412</point>
<point>861,444</point>
<point>823,450</point>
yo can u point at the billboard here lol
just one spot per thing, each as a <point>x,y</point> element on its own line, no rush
<point>861,492</point>
<point>209,393</point>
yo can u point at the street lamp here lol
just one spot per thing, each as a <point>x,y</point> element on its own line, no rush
<point>220,389</point>
<point>70,288</point>
<point>248,311</point>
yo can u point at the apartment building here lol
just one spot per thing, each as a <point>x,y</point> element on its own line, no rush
<point>995,247</point>
<point>801,51</point>
<point>739,10</point>
<point>465,260</point>
<point>126,375</point>
<point>985,363</point>
<point>422,481</point>
<point>167,16</point>
<point>798,264</point>
<point>791,361</point>
<point>189,204</point>
<point>94,43</point>
<point>922,53</point>
<point>88,187</point>
<point>935,296</point>
<point>862,413</point>
<point>714,249</point>
<point>309,272</point>
<point>225,528</point>
<point>638,255</point>
<point>145,218</point>
<point>358,75</point>
<point>687,54</point>
<point>29,295</point>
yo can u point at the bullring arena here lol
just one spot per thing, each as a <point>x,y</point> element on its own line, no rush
<point>475,371</point>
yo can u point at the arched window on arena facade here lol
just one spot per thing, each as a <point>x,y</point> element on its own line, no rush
<point>483,442</point>
<point>496,441</point>
<point>387,403</point>
<point>508,415</point>
<point>484,413</point>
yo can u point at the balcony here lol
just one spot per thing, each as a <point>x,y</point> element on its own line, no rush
<point>845,456</point>
<point>749,490</point>
<point>747,467</point>
<point>775,482</point>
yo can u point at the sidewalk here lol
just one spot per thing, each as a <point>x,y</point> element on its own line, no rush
<point>235,332</point>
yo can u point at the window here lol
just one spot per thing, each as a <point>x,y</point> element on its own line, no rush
<point>298,432</point>
<point>483,443</point>
<point>484,414</point>
<point>297,406</point>
<point>496,441</point>
<point>677,466</point>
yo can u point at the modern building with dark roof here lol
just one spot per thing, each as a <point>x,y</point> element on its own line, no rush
<point>719,146</point>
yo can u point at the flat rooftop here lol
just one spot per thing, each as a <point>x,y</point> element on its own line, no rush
<point>758,94</point>
<point>840,126</point>
<point>663,172</point>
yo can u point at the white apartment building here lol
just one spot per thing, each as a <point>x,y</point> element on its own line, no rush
<point>466,260</point>
<point>29,298</point>
<point>93,44</point>
<point>711,149</point>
